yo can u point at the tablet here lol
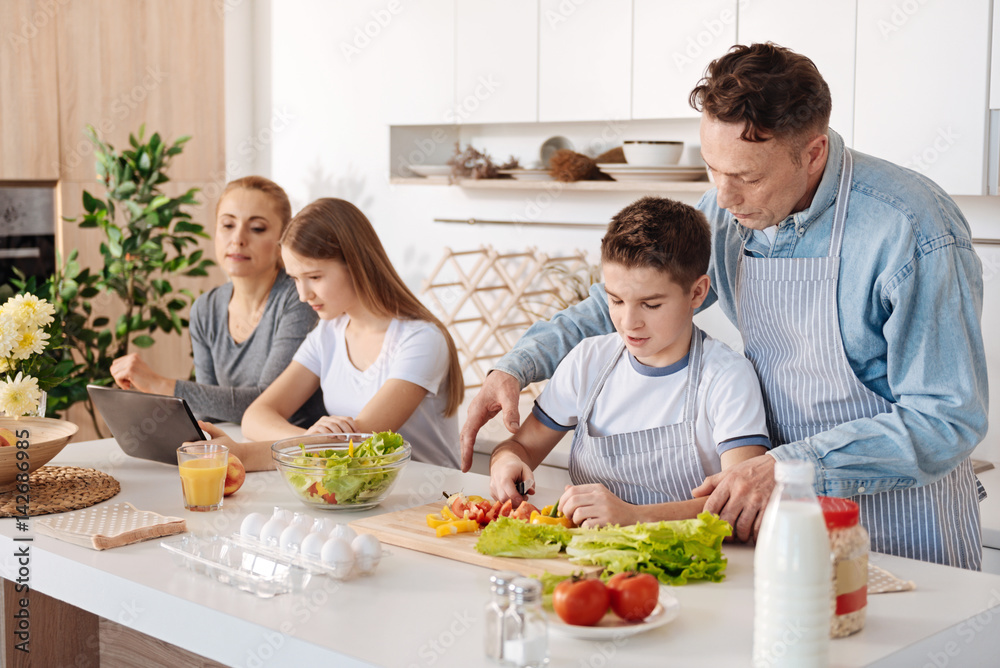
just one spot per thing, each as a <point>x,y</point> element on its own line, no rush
<point>147,426</point>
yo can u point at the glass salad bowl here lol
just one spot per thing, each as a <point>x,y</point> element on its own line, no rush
<point>341,471</point>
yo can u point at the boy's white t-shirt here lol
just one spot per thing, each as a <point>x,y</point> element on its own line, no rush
<point>414,351</point>
<point>729,407</point>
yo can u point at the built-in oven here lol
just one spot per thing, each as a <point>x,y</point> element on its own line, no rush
<point>27,230</point>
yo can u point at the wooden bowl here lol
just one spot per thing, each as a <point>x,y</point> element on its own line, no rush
<point>45,436</point>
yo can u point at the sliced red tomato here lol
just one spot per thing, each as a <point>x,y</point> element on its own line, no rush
<point>494,511</point>
<point>523,511</point>
<point>506,508</point>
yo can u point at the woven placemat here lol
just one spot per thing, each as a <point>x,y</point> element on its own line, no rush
<point>56,489</point>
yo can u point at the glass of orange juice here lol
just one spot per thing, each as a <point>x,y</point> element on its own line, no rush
<point>203,474</point>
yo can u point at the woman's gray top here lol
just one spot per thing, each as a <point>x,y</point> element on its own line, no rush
<point>231,375</point>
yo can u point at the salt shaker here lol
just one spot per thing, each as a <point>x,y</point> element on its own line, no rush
<point>525,629</point>
<point>493,615</point>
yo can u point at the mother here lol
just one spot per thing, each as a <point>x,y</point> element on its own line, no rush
<point>246,331</point>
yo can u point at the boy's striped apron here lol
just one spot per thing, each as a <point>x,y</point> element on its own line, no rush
<point>648,466</point>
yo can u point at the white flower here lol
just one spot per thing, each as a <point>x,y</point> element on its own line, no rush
<point>28,311</point>
<point>31,342</point>
<point>8,336</point>
<point>19,396</point>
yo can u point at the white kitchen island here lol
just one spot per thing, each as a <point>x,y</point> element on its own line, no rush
<point>423,610</point>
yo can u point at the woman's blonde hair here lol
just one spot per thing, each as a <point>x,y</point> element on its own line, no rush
<point>275,192</point>
<point>334,229</point>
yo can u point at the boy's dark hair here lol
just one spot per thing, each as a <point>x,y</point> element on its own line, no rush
<point>773,91</point>
<point>663,234</point>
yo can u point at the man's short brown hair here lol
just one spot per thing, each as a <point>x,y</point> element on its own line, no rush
<point>663,234</point>
<point>773,91</point>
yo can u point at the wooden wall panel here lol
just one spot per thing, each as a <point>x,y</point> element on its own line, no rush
<point>123,63</point>
<point>29,126</point>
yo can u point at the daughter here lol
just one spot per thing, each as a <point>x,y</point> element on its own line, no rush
<point>383,361</point>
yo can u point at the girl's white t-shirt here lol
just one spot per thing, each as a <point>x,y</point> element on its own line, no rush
<point>729,406</point>
<point>413,350</point>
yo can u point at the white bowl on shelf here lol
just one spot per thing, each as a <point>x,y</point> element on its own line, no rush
<point>653,153</point>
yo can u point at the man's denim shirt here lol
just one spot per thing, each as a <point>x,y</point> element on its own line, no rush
<point>909,300</point>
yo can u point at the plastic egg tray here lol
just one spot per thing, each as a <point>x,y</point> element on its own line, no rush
<point>240,565</point>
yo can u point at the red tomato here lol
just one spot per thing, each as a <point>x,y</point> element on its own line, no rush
<point>581,602</point>
<point>506,508</point>
<point>633,595</point>
<point>523,511</point>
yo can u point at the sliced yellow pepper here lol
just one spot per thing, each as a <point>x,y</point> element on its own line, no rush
<point>538,518</point>
<point>350,447</point>
<point>476,499</point>
<point>446,512</point>
<point>434,521</point>
<point>457,526</point>
<point>547,510</point>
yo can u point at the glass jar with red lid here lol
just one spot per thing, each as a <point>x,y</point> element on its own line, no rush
<point>849,546</point>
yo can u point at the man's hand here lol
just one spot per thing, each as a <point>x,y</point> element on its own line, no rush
<point>740,495</point>
<point>500,392</point>
<point>594,505</point>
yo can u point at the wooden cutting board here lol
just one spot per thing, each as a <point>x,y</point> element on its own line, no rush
<point>408,528</point>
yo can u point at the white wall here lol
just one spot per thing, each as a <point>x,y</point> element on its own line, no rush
<point>329,137</point>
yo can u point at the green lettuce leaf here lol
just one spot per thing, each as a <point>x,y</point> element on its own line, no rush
<point>675,552</point>
<point>505,537</point>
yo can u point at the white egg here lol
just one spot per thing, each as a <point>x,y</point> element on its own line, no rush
<point>338,556</point>
<point>344,532</point>
<point>302,520</point>
<point>367,552</point>
<point>312,545</point>
<point>283,514</point>
<point>324,525</point>
<point>270,534</point>
<point>291,538</point>
<point>252,525</point>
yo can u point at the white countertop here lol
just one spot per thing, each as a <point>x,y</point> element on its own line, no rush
<point>423,610</point>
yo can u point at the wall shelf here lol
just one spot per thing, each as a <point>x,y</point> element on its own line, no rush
<point>693,187</point>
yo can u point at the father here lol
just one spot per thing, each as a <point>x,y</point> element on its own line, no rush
<point>858,295</point>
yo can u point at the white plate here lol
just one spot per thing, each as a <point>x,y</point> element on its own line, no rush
<point>612,626</point>
<point>625,167</point>
<point>656,176</point>
<point>430,170</point>
<point>528,174</point>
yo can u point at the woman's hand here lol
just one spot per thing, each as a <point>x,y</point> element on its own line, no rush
<point>132,373</point>
<point>594,505</point>
<point>216,435</point>
<point>333,424</point>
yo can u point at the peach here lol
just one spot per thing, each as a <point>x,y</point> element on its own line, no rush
<point>7,437</point>
<point>236,474</point>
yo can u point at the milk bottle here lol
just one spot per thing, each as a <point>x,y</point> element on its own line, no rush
<point>792,575</point>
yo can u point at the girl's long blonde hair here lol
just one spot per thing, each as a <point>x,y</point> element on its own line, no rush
<point>334,229</point>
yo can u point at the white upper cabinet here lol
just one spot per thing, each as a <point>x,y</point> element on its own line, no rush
<point>673,43</point>
<point>825,36</point>
<point>922,81</point>
<point>584,60</point>
<point>415,44</point>
<point>995,65</point>
<point>496,68</point>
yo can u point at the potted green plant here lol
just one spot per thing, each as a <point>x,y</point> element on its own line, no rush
<point>149,238</point>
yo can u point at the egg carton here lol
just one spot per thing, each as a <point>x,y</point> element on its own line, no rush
<point>283,546</point>
<point>237,564</point>
<point>310,564</point>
